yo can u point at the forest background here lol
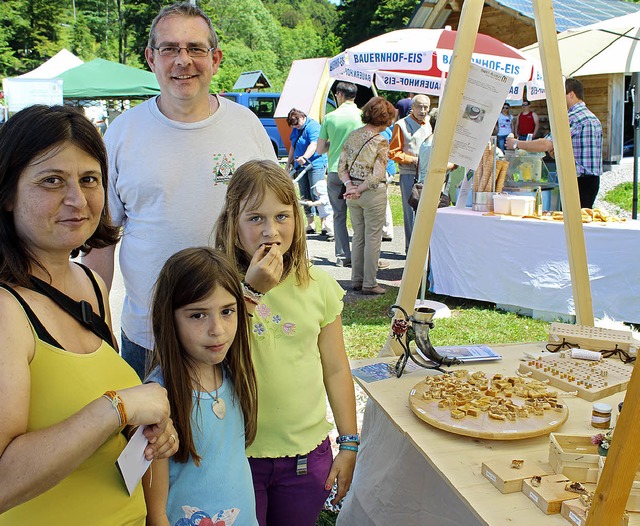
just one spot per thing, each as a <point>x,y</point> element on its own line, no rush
<point>262,35</point>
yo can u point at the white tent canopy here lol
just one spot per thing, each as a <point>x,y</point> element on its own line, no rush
<point>55,66</point>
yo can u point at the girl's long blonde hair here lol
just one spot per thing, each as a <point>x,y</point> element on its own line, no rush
<point>187,277</point>
<point>247,188</point>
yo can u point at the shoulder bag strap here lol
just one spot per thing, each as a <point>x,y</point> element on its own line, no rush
<point>81,310</point>
<point>363,145</point>
<point>42,333</point>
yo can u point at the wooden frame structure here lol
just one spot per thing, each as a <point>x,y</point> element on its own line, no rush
<point>624,456</point>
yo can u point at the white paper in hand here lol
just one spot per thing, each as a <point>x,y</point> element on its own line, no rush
<point>131,463</point>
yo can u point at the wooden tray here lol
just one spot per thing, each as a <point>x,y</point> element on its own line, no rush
<point>592,380</point>
<point>482,426</point>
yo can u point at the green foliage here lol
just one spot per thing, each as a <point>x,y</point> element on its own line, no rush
<point>621,196</point>
<point>360,20</point>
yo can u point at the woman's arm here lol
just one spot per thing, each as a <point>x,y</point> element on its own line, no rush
<point>156,492</point>
<point>33,462</point>
<point>339,385</point>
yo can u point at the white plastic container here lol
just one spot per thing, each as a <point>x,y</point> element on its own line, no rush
<point>502,204</point>
<point>522,205</point>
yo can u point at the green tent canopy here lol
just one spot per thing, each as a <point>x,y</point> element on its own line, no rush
<point>102,79</point>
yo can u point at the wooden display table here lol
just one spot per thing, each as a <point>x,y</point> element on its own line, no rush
<point>410,473</point>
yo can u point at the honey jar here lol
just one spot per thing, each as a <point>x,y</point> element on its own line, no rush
<point>601,416</point>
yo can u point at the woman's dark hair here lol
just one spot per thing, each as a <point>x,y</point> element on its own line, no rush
<point>188,277</point>
<point>27,135</point>
<point>378,111</point>
<point>294,116</point>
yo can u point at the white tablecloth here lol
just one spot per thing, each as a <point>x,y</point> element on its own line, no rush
<point>523,262</point>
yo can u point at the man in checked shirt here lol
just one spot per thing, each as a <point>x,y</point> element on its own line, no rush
<point>586,138</point>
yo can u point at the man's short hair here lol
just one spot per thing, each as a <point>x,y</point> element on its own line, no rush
<point>420,99</point>
<point>182,9</point>
<point>348,89</point>
<point>573,84</point>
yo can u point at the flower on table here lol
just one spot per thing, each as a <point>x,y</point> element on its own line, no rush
<point>603,439</point>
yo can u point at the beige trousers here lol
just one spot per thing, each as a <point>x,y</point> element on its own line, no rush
<point>367,219</point>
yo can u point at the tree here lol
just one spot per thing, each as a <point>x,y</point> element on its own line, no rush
<point>360,20</point>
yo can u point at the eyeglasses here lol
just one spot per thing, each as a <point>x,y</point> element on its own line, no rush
<point>174,51</point>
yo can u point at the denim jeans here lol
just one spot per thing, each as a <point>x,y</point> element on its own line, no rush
<point>135,355</point>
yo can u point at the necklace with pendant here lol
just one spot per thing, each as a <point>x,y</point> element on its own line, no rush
<point>218,405</point>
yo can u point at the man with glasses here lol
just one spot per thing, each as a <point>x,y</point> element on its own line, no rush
<point>170,159</point>
<point>407,137</point>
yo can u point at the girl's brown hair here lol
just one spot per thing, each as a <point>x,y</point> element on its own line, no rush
<point>247,188</point>
<point>187,277</point>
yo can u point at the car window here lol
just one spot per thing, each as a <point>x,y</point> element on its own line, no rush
<point>263,107</point>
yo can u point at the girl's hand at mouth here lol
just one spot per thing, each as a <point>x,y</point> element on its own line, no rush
<point>266,268</point>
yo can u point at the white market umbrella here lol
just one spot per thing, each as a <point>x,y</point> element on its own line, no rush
<point>611,46</point>
<point>418,60</point>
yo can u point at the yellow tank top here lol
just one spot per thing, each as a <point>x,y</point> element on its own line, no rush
<point>62,383</point>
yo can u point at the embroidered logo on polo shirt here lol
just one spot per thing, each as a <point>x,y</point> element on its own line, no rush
<point>224,166</point>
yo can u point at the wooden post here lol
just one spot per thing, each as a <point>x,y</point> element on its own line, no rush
<point>442,141</point>
<point>612,492</point>
<point>565,163</point>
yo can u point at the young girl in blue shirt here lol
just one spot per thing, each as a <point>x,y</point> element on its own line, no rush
<point>201,356</point>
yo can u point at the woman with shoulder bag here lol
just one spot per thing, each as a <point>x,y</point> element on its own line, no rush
<point>363,170</point>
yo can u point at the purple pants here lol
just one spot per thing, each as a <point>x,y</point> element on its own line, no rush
<point>284,498</point>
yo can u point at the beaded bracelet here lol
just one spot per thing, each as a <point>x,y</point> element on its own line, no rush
<point>118,405</point>
<point>251,294</point>
<point>349,448</point>
<point>348,438</point>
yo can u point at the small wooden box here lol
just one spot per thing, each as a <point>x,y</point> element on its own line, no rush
<point>633,502</point>
<point>550,494</point>
<point>509,480</point>
<point>575,512</point>
<point>574,456</point>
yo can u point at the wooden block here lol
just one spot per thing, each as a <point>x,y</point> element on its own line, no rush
<point>548,496</point>
<point>509,480</point>
<point>574,456</point>
<point>575,512</point>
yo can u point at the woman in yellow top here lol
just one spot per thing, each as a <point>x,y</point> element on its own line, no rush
<point>66,394</point>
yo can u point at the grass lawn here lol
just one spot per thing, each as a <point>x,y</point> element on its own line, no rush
<point>621,196</point>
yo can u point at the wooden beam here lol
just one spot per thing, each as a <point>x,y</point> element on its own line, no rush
<point>436,11</point>
<point>616,480</point>
<point>437,167</point>
<point>455,6</point>
<point>565,163</point>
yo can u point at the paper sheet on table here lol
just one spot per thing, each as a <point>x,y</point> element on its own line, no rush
<point>484,94</point>
<point>131,463</point>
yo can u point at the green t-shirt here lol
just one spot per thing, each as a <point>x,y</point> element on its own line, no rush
<point>336,127</point>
